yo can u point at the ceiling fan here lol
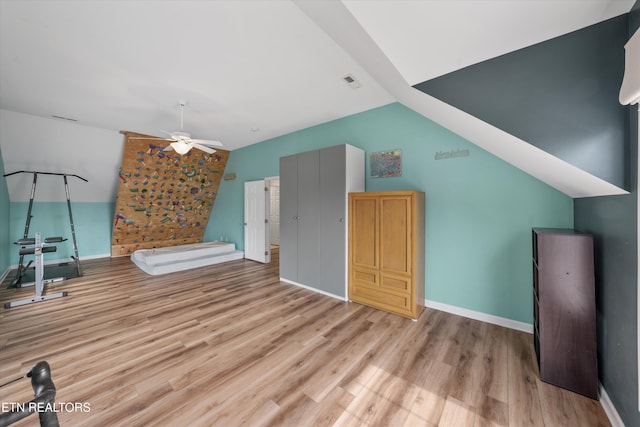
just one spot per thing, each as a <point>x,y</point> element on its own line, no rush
<point>182,142</point>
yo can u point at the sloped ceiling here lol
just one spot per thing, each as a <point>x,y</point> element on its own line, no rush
<point>254,70</point>
<point>560,95</point>
<point>455,34</point>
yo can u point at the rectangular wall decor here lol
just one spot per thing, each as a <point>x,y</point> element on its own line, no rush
<point>164,198</point>
<point>386,163</point>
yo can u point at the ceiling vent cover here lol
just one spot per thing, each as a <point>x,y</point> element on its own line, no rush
<point>351,81</point>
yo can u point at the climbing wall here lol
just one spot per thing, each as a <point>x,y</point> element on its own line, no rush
<point>164,198</point>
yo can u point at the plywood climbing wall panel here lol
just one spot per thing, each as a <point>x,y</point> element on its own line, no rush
<point>164,198</point>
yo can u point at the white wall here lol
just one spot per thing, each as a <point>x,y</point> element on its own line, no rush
<point>53,145</point>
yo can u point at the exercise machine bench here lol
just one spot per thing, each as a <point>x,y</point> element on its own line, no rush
<point>36,246</point>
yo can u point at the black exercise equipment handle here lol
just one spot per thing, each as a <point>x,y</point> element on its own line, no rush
<point>32,241</point>
<point>25,242</point>
<point>31,251</point>
<point>46,173</point>
<point>45,394</point>
<point>54,239</point>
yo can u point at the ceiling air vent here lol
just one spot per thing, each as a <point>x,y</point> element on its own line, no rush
<point>351,81</point>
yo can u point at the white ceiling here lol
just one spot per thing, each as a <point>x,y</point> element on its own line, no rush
<point>124,65</point>
<point>242,65</point>
<point>257,69</point>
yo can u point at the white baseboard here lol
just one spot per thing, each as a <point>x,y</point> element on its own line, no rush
<point>609,409</point>
<point>95,256</point>
<point>483,317</point>
<point>314,289</point>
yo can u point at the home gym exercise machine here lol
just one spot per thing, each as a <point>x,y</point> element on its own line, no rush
<point>17,282</point>
<point>36,246</point>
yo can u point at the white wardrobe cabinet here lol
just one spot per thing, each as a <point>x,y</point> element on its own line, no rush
<point>314,188</point>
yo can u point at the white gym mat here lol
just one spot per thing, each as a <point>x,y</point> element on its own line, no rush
<point>177,258</point>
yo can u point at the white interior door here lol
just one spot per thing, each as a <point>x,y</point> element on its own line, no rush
<point>256,227</point>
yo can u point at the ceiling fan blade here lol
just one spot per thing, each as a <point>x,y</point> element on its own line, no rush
<point>204,148</point>
<point>150,137</point>
<point>207,142</point>
<point>172,136</point>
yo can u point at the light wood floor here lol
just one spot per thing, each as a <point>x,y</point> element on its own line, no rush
<point>231,345</point>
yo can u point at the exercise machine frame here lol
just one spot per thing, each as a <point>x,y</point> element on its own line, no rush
<point>37,247</point>
<point>17,282</point>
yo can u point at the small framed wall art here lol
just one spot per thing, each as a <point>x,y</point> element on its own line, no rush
<point>386,163</point>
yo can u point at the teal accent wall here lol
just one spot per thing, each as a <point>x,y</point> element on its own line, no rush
<point>4,220</point>
<point>479,209</point>
<point>92,223</point>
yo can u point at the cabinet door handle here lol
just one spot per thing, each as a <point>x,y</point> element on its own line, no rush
<point>341,219</point>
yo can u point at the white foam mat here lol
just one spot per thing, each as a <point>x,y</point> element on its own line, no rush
<point>184,257</point>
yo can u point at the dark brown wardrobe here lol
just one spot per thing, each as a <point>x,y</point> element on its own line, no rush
<point>564,309</point>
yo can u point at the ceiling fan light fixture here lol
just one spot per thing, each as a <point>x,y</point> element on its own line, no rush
<point>181,141</point>
<point>181,147</point>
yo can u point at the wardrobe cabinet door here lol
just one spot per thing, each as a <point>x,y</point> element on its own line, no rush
<point>288,218</point>
<point>333,211</point>
<point>309,219</point>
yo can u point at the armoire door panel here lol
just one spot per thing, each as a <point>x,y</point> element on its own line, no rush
<point>364,231</point>
<point>395,229</point>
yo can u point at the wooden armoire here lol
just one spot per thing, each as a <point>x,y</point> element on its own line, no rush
<point>386,251</point>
